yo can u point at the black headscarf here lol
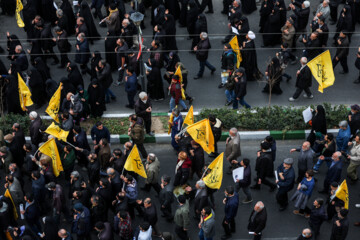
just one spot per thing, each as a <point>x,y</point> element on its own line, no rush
<point>75,76</point>
<point>51,229</point>
<point>12,42</point>
<point>41,66</point>
<point>51,87</point>
<point>319,120</point>
<point>85,12</point>
<point>68,11</point>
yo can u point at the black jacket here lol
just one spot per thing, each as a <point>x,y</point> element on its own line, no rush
<point>35,135</point>
<point>202,51</point>
<point>264,165</point>
<point>150,215</point>
<point>302,17</point>
<point>240,87</point>
<point>140,109</point>
<point>258,222</point>
<point>166,196</point>
<point>104,76</point>
<point>342,51</point>
<point>303,80</point>
<point>340,233</point>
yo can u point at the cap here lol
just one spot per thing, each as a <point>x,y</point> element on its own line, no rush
<point>50,185</point>
<point>79,207</point>
<point>251,35</point>
<point>291,21</point>
<point>289,161</point>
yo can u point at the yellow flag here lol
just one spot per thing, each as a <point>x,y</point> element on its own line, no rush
<point>19,8</point>
<point>54,105</point>
<point>178,73</point>
<point>202,134</point>
<point>235,47</point>
<point>214,178</point>
<point>342,193</point>
<point>50,149</point>
<point>189,119</point>
<point>133,163</point>
<point>24,94</point>
<point>56,131</point>
<point>322,69</point>
<point>8,195</point>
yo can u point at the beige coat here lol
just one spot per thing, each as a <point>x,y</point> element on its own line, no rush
<point>288,38</point>
<point>232,149</point>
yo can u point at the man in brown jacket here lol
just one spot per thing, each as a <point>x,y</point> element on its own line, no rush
<point>136,133</point>
<point>288,32</point>
<point>104,154</point>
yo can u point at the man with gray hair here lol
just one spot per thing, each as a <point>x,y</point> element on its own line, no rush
<point>143,109</point>
<point>305,159</point>
<point>257,220</point>
<point>305,234</point>
<point>334,172</point>
<point>152,168</point>
<point>34,128</point>
<point>343,137</point>
<point>201,197</point>
<point>202,52</point>
<point>303,81</point>
<point>232,148</point>
<point>166,197</point>
<point>82,55</point>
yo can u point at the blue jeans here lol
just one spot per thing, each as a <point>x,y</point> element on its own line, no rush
<point>172,103</point>
<point>202,67</point>
<point>318,164</point>
<point>108,94</point>
<point>130,96</point>
<point>202,237</point>
<point>242,102</point>
<point>230,95</point>
<point>173,142</point>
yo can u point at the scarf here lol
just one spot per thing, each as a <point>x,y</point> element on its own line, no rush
<point>112,11</point>
<point>208,217</point>
<point>178,165</point>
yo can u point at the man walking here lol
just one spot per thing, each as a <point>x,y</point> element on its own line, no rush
<point>166,197</point>
<point>342,52</point>
<point>303,81</point>
<point>232,149</point>
<point>152,172</point>
<point>257,220</point>
<point>182,218</point>
<point>143,109</point>
<point>305,160</point>
<point>207,224</point>
<point>231,202</point>
<point>202,52</point>
<point>136,133</point>
<point>286,178</point>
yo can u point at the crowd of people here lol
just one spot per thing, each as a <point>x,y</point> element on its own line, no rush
<point>95,194</point>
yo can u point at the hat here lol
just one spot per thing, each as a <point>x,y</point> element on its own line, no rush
<point>344,212</point>
<point>76,174</point>
<point>289,161</point>
<point>306,4</point>
<point>201,183</point>
<point>251,35</point>
<point>33,114</point>
<point>3,149</point>
<point>8,137</point>
<point>50,185</point>
<point>79,207</point>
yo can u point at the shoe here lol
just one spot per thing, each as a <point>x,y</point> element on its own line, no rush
<point>288,79</point>
<point>228,103</point>
<point>223,237</point>
<point>212,71</point>
<point>229,172</point>
<point>296,212</point>
<point>307,215</point>
<point>54,63</point>
<point>282,209</point>
<point>357,81</point>
<point>357,205</point>
<point>223,12</point>
<point>113,98</point>
<point>323,191</point>
<point>357,224</point>
<point>144,189</point>
<point>221,85</point>
<point>272,189</point>
<point>209,11</point>
<point>343,72</point>
<point>184,110</point>
<point>151,134</point>
<point>291,99</point>
<point>197,77</point>
<point>128,106</point>
<point>119,83</point>
<point>245,201</point>
<point>191,100</point>
<point>306,96</point>
<point>255,187</point>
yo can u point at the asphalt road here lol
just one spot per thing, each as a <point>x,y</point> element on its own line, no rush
<point>280,225</point>
<point>205,90</point>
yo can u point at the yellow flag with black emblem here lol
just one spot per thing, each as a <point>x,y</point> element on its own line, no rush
<point>214,178</point>
<point>234,43</point>
<point>342,193</point>
<point>19,8</point>
<point>8,195</point>
<point>57,132</point>
<point>189,119</point>
<point>322,69</point>
<point>24,94</point>
<point>178,73</point>
<point>133,162</point>
<point>54,105</point>
<point>50,149</point>
<point>202,134</point>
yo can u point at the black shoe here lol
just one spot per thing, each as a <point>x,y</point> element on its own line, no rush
<point>197,77</point>
<point>228,103</point>
<point>209,11</point>
<point>221,85</point>
<point>128,106</point>
<point>272,189</point>
<point>229,172</point>
<point>323,191</point>
<point>223,12</point>
<point>255,187</point>
<point>184,110</point>
<point>226,236</point>
<point>282,209</point>
<point>343,72</point>
<point>212,71</point>
<point>288,79</point>
<point>357,81</point>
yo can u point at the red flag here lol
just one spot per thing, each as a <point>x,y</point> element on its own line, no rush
<point>141,40</point>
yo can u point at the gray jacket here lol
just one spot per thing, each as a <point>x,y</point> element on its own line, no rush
<point>16,191</point>
<point>355,152</point>
<point>305,159</point>
<point>208,226</point>
<point>182,216</point>
<point>152,172</point>
<point>166,195</point>
<point>232,149</point>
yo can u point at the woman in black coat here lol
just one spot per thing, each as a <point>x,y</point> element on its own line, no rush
<point>169,27</point>
<point>200,26</point>
<point>12,95</point>
<point>37,86</point>
<point>50,87</point>
<point>51,229</point>
<point>94,62</point>
<point>85,12</point>
<point>272,29</point>
<point>12,42</point>
<point>48,11</point>
<point>157,5</point>
<point>243,28</point>
<point>29,12</point>
<point>69,13</point>
<point>43,69</point>
<point>191,17</point>
<point>155,84</point>
<point>274,76</point>
<point>265,10</point>
<point>110,45</point>
<point>248,6</point>
<point>96,99</point>
<point>183,12</point>
<point>74,75</point>
<point>173,7</point>
<point>344,23</point>
<point>319,120</point>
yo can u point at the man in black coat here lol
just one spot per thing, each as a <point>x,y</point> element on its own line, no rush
<point>216,126</point>
<point>333,4</point>
<point>312,45</point>
<point>257,220</point>
<point>202,52</point>
<point>321,27</point>
<point>197,159</point>
<point>240,88</point>
<point>20,58</point>
<point>63,46</point>
<point>303,81</point>
<point>342,52</point>
<point>302,12</point>
<point>47,42</point>
<point>32,213</point>
<point>150,214</point>
<point>285,180</point>
<point>143,109</point>
<point>19,140</point>
<point>103,72</point>
<point>166,197</point>
<point>340,226</point>
<point>82,52</point>
<point>264,167</point>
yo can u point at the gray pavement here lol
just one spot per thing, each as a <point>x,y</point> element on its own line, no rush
<point>205,90</point>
